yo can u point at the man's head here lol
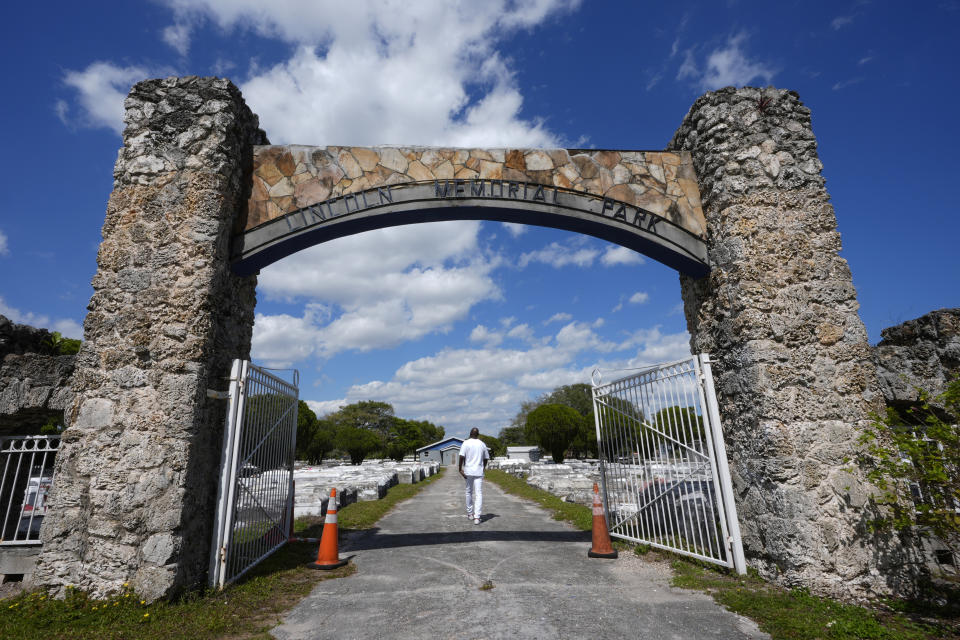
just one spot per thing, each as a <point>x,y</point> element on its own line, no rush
<point>474,433</point>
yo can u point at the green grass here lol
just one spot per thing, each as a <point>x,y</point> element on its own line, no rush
<point>798,615</point>
<point>247,609</point>
<point>580,516</point>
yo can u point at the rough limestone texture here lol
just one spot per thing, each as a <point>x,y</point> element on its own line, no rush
<point>136,473</point>
<point>921,353</point>
<point>793,368</point>
<point>288,178</point>
<point>34,381</point>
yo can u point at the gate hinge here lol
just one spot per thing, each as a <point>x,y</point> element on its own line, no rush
<point>218,395</point>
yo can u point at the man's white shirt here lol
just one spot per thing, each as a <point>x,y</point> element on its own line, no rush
<point>473,452</point>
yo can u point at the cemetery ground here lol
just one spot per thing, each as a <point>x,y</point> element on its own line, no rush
<point>411,602</point>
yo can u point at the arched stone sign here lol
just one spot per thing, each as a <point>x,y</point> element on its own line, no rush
<point>647,201</point>
<point>200,199</point>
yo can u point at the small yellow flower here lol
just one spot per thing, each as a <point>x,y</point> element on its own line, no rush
<point>94,608</point>
<point>116,603</point>
<point>143,602</point>
<point>126,584</point>
<point>146,615</point>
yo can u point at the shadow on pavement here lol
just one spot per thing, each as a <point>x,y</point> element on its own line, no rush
<point>372,539</point>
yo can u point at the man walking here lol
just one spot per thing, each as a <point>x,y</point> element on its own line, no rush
<point>473,460</point>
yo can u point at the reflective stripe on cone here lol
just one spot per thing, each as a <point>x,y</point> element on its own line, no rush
<point>601,537</point>
<point>328,555</point>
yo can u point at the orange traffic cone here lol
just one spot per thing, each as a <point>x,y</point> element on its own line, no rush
<point>601,538</point>
<point>328,556</point>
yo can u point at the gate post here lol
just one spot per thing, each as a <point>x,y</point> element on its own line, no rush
<point>795,378</point>
<point>136,475</point>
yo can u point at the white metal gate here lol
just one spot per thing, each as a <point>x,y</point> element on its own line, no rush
<point>663,463</point>
<point>256,472</point>
<point>26,474</point>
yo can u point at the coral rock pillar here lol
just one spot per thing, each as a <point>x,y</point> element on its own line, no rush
<point>136,474</point>
<point>779,315</point>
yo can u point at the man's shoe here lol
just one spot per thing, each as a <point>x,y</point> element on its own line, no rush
<point>469,516</point>
<point>476,521</point>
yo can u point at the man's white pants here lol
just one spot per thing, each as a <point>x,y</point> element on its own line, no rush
<point>474,494</point>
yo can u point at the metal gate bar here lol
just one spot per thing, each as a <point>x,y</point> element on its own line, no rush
<point>26,465</point>
<point>256,481</point>
<point>664,469</point>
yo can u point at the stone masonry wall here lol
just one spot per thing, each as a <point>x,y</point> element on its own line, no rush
<point>924,353</point>
<point>136,473</point>
<point>34,381</point>
<point>794,373</point>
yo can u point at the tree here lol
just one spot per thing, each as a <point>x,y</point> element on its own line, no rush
<point>553,427</point>
<point>429,432</point>
<point>322,442</point>
<point>58,345</point>
<point>306,426</point>
<point>496,447</point>
<point>266,424</point>
<point>357,442</point>
<point>585,443</point>
<point>577,396</point>
<point>514,436</point>
<point>405,438</point>
<point>519,424</point>
<point>367,414</point>
<point>622,427</point>
<point>683,420</point>
<point>914,460</point>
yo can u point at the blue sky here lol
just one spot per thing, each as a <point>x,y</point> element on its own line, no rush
<point>460,322</point>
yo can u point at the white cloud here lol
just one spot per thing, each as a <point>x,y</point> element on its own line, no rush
<point>177,36</point>
<point>639,297</point>
<point>461,388</point>
<point>4,247</point>
<point>380,72</point>
<point>689,67</point>
<point>62,109</point>
<point>67,327</point>
<point>840,21</point>
<point>620,255</point>
<point>485,336</point>
<point>557,255</point>
<point>559,317</point>
<point>101,89</point>
<point>281,340</point>
<point>516,230</point>
<point>379,289</point>
<point>843,84</point>
<point>521,332</point>
<point>325,407</point>
<point>725,66</point>
<point>425,72</point>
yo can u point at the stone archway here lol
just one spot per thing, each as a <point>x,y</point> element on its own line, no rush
<point>199,197</point>
<point>644,200</point>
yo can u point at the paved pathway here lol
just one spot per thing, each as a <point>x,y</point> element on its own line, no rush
<point>419,575</point>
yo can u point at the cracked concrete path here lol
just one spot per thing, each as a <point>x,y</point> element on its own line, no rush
<point>420,574</point>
